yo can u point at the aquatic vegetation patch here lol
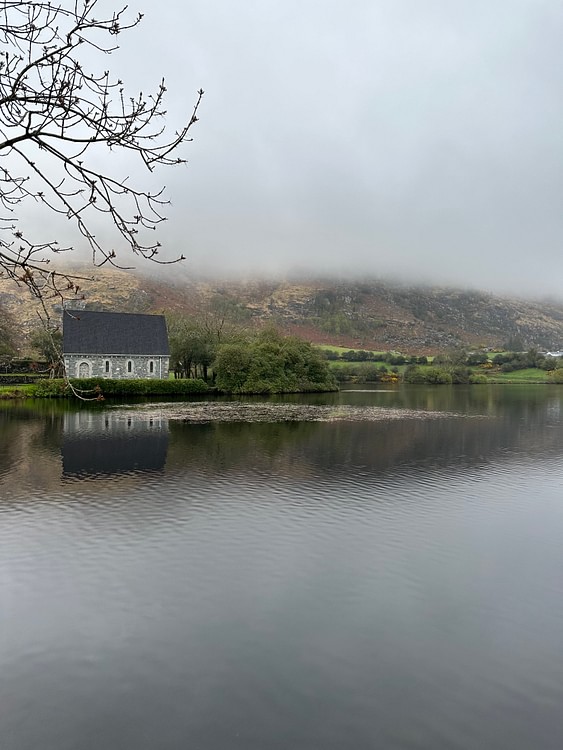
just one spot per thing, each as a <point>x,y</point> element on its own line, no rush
<point>202,412</point>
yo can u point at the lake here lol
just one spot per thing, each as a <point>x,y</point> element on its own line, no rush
<point>368,569</point>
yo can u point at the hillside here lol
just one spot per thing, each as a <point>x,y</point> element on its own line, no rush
<point>370,315</point>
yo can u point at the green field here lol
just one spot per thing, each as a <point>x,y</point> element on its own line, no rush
<point>530,375</point>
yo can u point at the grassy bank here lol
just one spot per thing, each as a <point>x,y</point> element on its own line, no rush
<point>94,387</point>
<point>101,388</point>
<point>104,388</point>
<point>19,391</point>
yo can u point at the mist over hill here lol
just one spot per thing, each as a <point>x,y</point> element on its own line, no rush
<point>371,314</point>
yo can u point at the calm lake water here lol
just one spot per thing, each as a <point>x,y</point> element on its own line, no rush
<point>369,569</point>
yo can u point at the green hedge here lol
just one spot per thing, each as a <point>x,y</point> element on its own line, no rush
<point>108,387</point>
<point>9,378</point>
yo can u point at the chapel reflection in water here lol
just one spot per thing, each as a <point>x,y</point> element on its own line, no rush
<point>106,443</point>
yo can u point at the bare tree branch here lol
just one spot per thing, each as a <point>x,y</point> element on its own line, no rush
<point>55,119</point>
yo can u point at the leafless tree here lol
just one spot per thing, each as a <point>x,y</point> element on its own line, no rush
<point>56,119</point>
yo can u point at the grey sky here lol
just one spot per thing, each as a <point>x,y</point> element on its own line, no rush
<point>413,137</point>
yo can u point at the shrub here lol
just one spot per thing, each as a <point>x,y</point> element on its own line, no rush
<point>438,376</point>
<point>500,359</point>
<point>345,373</point>
<point>414,375</point>
<point>431,376</point>
<point>361,372</point>
<point>370,373</point>
<point>395,359</point>
<point>460,375</point>
<point>50,389</point>
<point>477,358</point>
<point>272,363</point>
<point>478,379</point>
<point>232,366</point>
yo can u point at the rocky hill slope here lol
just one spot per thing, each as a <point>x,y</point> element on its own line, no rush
<point>368,314</point>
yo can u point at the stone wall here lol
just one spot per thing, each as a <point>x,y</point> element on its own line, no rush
<point>121,367</point>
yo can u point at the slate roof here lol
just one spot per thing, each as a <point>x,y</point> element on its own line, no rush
<point>90,332</point>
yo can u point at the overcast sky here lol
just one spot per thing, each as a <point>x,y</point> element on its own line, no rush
<point>420,138</point>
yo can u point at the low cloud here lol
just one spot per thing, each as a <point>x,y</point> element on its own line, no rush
<point>419,140</point>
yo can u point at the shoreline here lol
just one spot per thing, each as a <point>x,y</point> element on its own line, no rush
<point>24,392</point>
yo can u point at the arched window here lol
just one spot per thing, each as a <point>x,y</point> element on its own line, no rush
<point>129,366</point>
<point>107,367</point>
<point>151,367</point>
<point>84,370</point>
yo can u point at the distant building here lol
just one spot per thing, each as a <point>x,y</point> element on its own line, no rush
<point>115,345</point>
